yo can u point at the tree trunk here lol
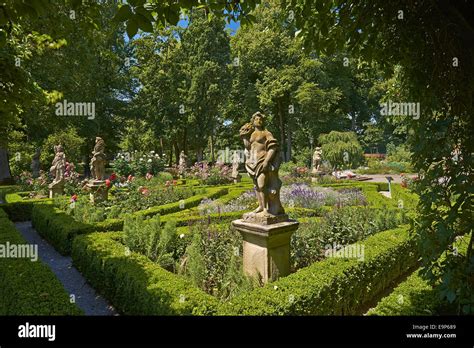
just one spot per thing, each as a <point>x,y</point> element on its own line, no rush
<point>282,131</point>
<point>5,173</point>
<point>211,138</point>
<point>176,151</point>
<point>288,142</point>
<point>199,154</point>
<point>170,161</point>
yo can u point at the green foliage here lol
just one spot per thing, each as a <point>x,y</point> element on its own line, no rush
<point>445,125</point>
<point>416,296</point>
<point>133,283</point>
<point>20,152</point>
<point>138,163</point>
<point>213,262</point>
<point>70,141</point>
<point>338,228</point>
<point>341,149</point>
<point>150,239</point>
<point>57,227</point>
<point>334,286</point>
<point>26,287</point>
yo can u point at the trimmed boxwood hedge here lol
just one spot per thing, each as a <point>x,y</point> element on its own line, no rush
<point>27,287</point>
<point>18,208</point>
<point>334,286</point>
<point>59,228</point>
<point>133,283</point>
<point>4,189</point>
<point>414,296</point>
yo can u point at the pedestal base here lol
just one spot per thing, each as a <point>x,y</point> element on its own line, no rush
<point>98,191</point>
<point>56,191</point>
<point>266,248</point>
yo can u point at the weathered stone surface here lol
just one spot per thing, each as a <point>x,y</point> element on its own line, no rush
<point>262,164</point>
<point>98,191</point>
<point>98,160</point>
<point>266,248</point>
<point>56,190</point>
<point>264,219</point>
<point>58,167</point>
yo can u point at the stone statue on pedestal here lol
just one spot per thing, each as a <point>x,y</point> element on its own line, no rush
<point>266,232</point>
<point>57,170</point>
<point>235,167</point>
<point>97,163</point>
<point>317,156</point>
<point>182,164</point>
<point>97,187</point>
<point>35,163</point>
<point>262,164</point>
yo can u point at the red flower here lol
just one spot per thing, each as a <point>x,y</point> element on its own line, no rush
<point>130,178</point>
<point>113,177</point>
<point>73,198</point>
<point>107,182</point>
<point>175,182</point>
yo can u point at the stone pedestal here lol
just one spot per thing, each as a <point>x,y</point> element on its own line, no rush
<point>266,248</point>
<point>56,190</point>
<point>98,192</point>
<point>237,179</point>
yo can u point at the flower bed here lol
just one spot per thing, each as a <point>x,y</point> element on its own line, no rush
<point>60,229</point>
<point>136,285</point>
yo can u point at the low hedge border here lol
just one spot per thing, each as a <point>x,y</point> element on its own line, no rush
<point>59,228</point>
<point>334,286</point>
<point>134,284</point>
<point>27,287</point>
<point>414,296</point>
<point>4,189</point>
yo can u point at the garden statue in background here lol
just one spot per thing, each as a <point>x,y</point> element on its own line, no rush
<point>97,163</point>
<point>35,163</point>
<point>57,170</point>
<point>235,167</point>
<point>182,164</point>
<point>317,156</point>
<point>262,164</point>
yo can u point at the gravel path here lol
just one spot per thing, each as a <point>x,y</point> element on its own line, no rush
<point>73,281</point>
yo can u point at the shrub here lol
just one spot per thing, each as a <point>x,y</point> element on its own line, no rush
<point>133,283</point>
<point>71,142</point>
<point>26,287</point>
<point>334,286</point>
<point>415,295</point>
<point>211,175</point>
<point>138,163</point>
<point>304,196</point>
<point>338,228</point>
<point>149,238</point>
<point>341,149</point>
<point>213,261</point>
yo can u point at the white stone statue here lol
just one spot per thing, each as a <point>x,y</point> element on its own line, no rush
<point>235,166</point>
<point>58,167</point>
<point>182,164</point>
<point>317,157</point>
